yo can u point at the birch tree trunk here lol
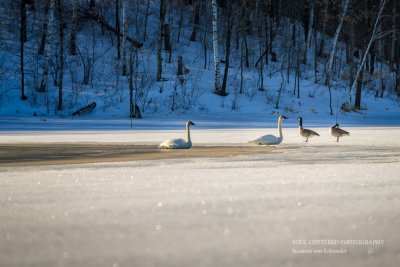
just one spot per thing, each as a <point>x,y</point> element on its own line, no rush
<point>358,101</point>
<point>335,38</point>
<point>72,41</point>
<point>124,37</point>
<point>160,39</point>
<point>308,41</point>
<point>217,87</point>
<point>43,84</point>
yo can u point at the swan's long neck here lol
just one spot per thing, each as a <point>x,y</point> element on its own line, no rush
<point>280,128</point>
<point>188,134</point>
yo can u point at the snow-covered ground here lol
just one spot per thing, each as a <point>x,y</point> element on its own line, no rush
<point>236,211</point>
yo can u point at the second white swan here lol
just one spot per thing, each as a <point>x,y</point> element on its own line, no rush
<point>270,139</point>
<point>178,143</point>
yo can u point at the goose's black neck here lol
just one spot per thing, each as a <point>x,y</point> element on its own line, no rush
<point>301,122</point>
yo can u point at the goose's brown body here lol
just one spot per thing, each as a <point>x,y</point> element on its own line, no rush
<point>307,133</point>
<point>337,132</point>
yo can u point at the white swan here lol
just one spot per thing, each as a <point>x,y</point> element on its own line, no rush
<point>179,143</point>
<point>270,139</point>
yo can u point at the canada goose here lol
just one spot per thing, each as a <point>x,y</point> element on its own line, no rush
<point>305,132</point>
<point>179,143</point>
<point>337,132</point>
<point>270,139</point>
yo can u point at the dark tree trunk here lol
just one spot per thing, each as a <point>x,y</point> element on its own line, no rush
<point>271,30</point>
<point>397,87</point>
<point>22,40</point>
<point>131,111</point>
<point>180,66</point>
<point>265,13</point>
<point>61,29</point>
<point>23,20</point>
<point>92,3</point>
<point>160,39</point>
<point>180,21</point>
<point>246,48</point>
<point>245,26</point>
<point>167,38</point>
<point>372,62</point>
<point>118,28</point>
<point>196,21</point>
<point>44,28</point>
<point>322,43</point>
<point>227,52</point>
<point>72,41</point>
<point>145,21</point>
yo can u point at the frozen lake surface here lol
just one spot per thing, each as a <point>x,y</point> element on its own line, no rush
<point>245,210</point>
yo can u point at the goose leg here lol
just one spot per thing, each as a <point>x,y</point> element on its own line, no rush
<point>337,139</point>
<point>307,139</point>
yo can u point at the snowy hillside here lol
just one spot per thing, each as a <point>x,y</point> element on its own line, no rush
<point>176,98</point>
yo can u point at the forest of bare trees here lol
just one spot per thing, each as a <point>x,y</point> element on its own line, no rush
<point>354,41</point>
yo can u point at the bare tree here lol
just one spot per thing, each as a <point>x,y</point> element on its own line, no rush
<point>196,20</point>
<point>124,37</point>
<point>324,18</point>
<point>217,87</point>
<point>309,32</point>
<point>145,21</point>
<point>227,49</point>
<point>72,40</point>
<point>335,38</point>
<point>393,39</point>
<point>44,28</point>
<point>23,39</point>
<point>160,39</point>
<point>61,33</point>
<point>365,54</point>
<point>117,27</point>
<point>43,84</point>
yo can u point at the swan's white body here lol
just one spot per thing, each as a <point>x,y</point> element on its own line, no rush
<point>270,139</point>
<point>178,143</point>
